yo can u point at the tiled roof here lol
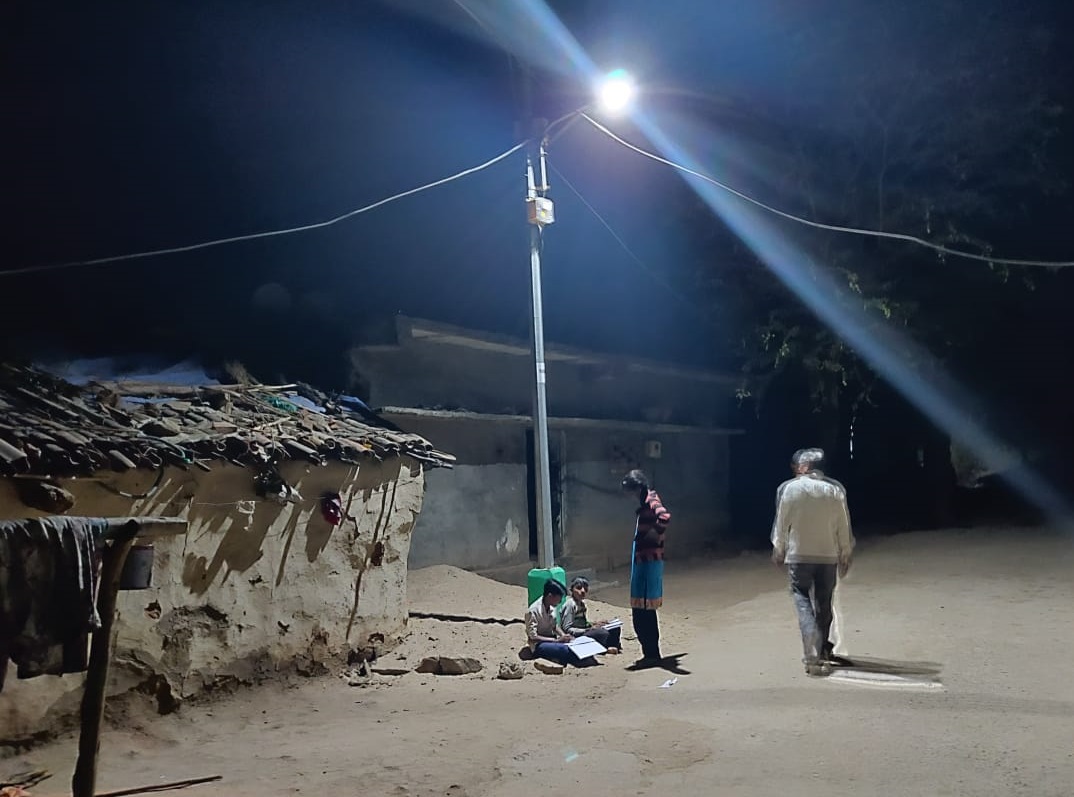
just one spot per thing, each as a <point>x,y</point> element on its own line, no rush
<point>51,427</point>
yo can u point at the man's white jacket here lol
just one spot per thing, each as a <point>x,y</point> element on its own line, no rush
<point>812,520</point>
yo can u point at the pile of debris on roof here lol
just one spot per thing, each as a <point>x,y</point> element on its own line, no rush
<point>49,426</point>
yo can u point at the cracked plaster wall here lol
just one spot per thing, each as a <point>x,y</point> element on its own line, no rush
<point>252,587</point>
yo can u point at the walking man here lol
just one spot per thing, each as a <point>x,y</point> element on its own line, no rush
<point>811,535</point>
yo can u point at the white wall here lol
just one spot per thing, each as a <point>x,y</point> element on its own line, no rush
<point>474,517</point>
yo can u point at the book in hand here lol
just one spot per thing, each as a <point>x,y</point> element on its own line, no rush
<point>584,646</point>
<point>616,623</point>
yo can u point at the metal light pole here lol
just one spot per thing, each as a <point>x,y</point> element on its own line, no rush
<point>540,213</point>
<point>615,92</point>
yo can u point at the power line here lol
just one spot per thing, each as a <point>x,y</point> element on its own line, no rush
<point>659,279</point>
<point>831,227</point>
<point>481,24</point>
<point>269,233</point>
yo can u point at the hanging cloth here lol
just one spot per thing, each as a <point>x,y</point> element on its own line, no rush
<point>49,576</point>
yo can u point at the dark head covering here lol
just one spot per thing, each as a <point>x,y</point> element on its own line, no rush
<point>553,587</point>
<point>634,481</point>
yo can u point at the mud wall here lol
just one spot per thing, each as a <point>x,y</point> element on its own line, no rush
<point>253,587</point>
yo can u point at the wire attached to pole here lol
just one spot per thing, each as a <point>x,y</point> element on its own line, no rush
<point>269,233</point>
<point>897,236</point>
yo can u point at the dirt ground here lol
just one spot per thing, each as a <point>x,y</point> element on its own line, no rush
<point>974,695</point>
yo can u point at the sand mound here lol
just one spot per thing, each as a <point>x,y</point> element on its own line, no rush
<point>446,590</point>
<point>443,589</point>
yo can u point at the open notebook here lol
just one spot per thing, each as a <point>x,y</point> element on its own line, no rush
<point>583,647</point>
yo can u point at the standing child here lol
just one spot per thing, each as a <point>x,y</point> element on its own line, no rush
<point>647,567</point>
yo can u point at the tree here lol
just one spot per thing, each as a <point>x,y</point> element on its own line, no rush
<point>941,123</point>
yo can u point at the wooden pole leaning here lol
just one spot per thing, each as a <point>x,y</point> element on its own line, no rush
<point>116,543</point>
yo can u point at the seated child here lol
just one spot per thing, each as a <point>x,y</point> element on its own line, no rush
<point>574,623</point>
<point>545,639</point>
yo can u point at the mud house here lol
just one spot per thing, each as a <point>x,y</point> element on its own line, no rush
<point>472,392</point>
<point>262,580</point>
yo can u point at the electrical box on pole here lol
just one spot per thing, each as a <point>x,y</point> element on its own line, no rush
<point>540,211</point>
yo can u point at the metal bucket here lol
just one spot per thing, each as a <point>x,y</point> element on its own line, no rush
<point>138,568</point>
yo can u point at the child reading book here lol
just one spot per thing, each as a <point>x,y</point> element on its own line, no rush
<point>574,622</point>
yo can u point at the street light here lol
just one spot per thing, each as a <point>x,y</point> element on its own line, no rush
<point>614,94</point>
<point>615,91</point>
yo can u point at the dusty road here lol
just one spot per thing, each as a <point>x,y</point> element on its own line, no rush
<point>989,614</point>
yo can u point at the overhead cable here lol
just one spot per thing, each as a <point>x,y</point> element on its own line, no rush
<point>618,239</point>
<point>267,234</point>
<point>1006,261</point>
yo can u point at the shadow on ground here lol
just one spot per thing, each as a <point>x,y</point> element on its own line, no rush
<point>888,666</point>
<point>669,663</point>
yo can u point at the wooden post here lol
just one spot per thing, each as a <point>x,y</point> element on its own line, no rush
<point>84,781</point>
<point>120,534</point>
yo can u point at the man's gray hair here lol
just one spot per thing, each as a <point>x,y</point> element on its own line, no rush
<point>812,458</point>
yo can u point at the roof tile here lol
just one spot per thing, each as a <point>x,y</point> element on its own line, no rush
<point>49,426</point>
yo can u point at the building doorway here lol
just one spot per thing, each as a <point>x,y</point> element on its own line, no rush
<point>555,474</point>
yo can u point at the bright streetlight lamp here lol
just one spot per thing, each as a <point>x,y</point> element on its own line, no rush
<point>615,91</point>
<point>613,95</point>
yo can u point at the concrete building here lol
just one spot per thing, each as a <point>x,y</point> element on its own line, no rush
<point>472,392</point>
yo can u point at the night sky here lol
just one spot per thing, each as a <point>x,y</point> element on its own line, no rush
<point>150,125</point>
<point>159,127</point>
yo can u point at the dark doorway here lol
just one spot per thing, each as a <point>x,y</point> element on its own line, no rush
<point>554,474</point>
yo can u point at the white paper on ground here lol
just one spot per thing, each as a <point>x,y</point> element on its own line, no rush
<point>585,646</point>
